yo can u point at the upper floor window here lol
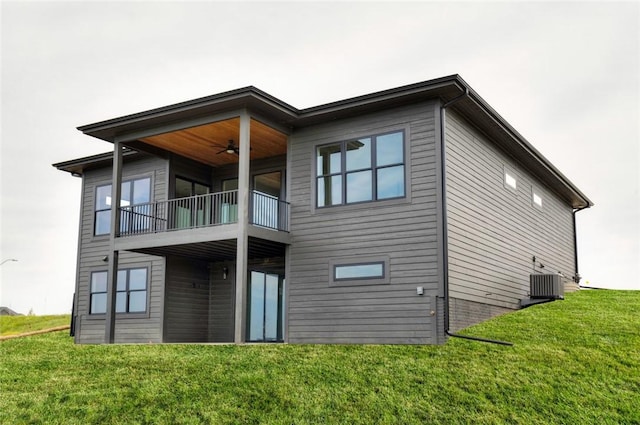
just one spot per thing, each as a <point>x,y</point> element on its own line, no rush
<point>536,198</point>
<point>131,291</point>
<point>362,170</point>
<point>510,179</point>
<point>133,192</point>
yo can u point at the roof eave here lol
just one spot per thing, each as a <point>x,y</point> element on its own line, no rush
<point>444,88</point>
<point>247,97</point>
<point>77,166</point>
<point>250,97</point>
<point>578,199</point>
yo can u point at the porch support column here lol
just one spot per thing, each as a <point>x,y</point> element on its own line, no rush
<point>243,224</point>
<point>112,272</point>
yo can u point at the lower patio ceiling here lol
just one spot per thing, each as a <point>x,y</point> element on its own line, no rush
<point>207,143</point>
<point>224,250</point>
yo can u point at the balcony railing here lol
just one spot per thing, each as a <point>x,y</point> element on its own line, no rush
<point>212,209</point>
<point>269,211</point>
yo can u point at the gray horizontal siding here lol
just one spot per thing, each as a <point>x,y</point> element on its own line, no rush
<point>221,303</point>
<point>93,249</point>
<point>404,232</point>
<point>187,301</point>
<point>493,231</point>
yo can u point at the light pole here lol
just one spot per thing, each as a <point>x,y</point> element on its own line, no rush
<point>8,259</point>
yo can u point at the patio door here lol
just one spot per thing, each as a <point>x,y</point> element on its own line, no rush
<point>229,205</point>
<point>192,209</point>
<point>265,321</point>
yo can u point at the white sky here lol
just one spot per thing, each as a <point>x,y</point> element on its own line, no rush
<point>565,75</point>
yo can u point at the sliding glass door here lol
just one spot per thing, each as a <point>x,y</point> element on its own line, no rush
<point>265,321</point>
<point>192,210</point>
<point>229,207</point>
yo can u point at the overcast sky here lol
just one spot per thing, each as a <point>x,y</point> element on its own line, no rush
<point>565,75</point>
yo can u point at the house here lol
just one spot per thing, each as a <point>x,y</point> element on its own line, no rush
<point>6,311</point>
<point>395,217</point>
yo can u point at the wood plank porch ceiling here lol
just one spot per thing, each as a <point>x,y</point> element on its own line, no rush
<point>207,143</point>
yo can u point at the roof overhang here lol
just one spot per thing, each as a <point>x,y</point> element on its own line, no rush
<point>77,166</point>
<point>444,88</point>
<point>250,98</point>
<point>279,113</point>
<point>500,132</point>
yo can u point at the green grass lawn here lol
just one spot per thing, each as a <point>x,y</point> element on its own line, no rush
<point>574,362</point>
<point>13,325</point>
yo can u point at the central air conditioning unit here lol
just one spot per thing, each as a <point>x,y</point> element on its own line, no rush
<point>547,286</point>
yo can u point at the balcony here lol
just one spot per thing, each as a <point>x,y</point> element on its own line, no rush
<point>213,209</point>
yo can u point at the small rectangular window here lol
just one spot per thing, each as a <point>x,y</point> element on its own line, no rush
<point>536,199</point>
<point>510,179</point>
<point>98,302</point>
<point>359,271</point>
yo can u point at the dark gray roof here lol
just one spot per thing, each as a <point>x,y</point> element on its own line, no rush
<point>77,166</point>
<point>471,106</point>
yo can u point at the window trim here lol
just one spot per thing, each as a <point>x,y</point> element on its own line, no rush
<point>95,200</point>
<point>374,168</point>
<point>358,261</point>
<point>123,314</point>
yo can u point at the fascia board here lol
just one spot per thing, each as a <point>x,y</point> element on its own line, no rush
<point>527,147</point>
<point>236,99</point>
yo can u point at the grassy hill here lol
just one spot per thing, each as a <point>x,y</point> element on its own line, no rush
<point>574,362</point>
<point>14,325</point>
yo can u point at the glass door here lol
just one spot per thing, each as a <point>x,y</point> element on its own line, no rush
<point>191,209</point>
<point>229,206</point>
<point>265,307</point>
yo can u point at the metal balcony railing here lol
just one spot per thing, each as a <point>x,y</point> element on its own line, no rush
<point>269,211</point>
<point>212,209</point>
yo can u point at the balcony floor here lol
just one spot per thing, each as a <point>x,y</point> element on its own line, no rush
<point>217,250</point>
<point>215,242</point>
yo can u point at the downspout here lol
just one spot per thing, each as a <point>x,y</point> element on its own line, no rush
<point>576,275</point>
<point>445,237</point>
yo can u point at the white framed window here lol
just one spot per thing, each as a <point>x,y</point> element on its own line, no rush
<point>536,198</point>
<point>510,179</point>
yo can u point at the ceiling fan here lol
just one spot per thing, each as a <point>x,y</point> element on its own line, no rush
<point>230,149</point>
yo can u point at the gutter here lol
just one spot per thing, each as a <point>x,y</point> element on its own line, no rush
<point>445,237</point>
